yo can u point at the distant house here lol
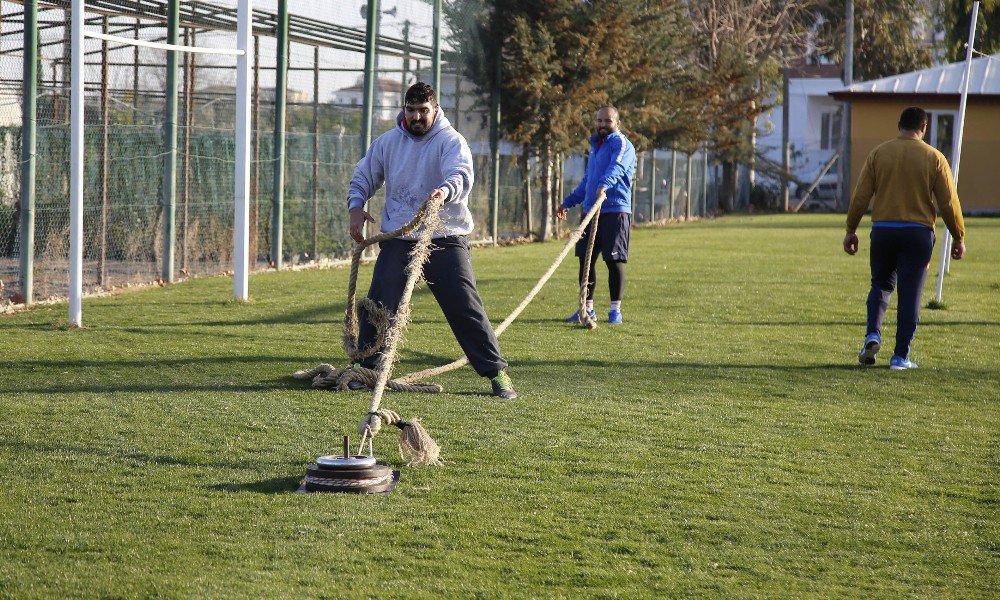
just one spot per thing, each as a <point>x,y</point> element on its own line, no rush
<point>876,105</point>
<point>814,122</point>
<point>388,97</point>
<point>467,110</point>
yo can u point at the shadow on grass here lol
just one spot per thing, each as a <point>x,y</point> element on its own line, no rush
<point>113,363</point>
<point>288,383</point>
<point>859,324</point>
<point>275,485</point>
<point>122,457</point>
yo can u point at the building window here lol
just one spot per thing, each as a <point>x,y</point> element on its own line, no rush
<point>830,129</point>
<point>941,131</point>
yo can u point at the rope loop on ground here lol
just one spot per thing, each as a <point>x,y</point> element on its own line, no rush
<point>328,377</point>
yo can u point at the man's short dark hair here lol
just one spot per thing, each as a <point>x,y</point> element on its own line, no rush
<point>420,92</point>
<point>913,118</point>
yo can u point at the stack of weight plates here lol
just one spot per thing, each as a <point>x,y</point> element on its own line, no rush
<point>349,474</point>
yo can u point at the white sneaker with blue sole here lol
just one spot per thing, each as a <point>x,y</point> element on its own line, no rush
<point>870,349</point>
<point>898,363</point>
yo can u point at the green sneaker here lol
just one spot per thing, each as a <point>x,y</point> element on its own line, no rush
<point>503,387</point>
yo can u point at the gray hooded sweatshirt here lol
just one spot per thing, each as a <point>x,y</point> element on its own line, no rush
<point>411,167</point>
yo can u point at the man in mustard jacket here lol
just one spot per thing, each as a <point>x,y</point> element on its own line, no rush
<point>907,183</point>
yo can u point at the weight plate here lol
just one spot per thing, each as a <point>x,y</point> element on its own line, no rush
<point>338,460</point>
<point>374,489</point>
<point>366,473</point>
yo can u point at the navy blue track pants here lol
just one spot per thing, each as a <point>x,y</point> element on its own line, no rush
<point>899,260</point>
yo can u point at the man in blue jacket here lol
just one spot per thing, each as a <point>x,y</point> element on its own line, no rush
<point>610,169</point>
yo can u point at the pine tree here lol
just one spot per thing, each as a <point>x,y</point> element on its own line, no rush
<point>955,21</point>
<point>562,59</point>
<point>886,40</point>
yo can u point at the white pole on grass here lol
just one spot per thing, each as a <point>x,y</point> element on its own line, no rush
<point>957,160</point>
<point>241,224</point>
<point>76,168</point>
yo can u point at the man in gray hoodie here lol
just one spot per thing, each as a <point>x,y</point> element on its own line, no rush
<point>423,157</point>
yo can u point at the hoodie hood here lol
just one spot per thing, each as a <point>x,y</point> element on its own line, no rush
<point>411,167</point>
<point>441,123</point>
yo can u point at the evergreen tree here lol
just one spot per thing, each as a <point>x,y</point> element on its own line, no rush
<point>562,59</point>
<point>886,35</point>
<point>955,22</point>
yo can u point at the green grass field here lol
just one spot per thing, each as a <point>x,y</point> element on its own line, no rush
<point>723,442</point>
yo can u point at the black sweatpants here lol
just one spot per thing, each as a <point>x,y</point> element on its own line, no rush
<point>899,258</point>
<point>449,276</point>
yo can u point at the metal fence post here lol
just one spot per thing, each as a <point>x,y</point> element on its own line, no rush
<point>315,156</point>
<point>704,183</point>
<point>170,144</point>
<point>436,49</point>
<point>369,98</point>
<point>673,179</point>
<point>254,210</point>
<point>102,266</point>
<point>280,85</point>
<point>28,148</point>
<point>687,193</point>
<point>495,153</point>
<point>189,70</point>
<point>652,185</point>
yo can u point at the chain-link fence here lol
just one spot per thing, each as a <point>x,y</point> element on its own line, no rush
<point>126,135</point>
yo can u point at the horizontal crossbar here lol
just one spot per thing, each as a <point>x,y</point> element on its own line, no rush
<point>162,46</point>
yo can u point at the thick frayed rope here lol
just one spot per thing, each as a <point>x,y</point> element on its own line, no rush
<point>328,377</point>
<point>584,314</point>
<point>415,444</point>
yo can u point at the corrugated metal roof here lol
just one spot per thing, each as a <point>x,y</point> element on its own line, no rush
<point>945,79</point>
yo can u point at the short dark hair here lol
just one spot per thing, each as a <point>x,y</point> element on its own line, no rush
<point>913,118</point>
<point>420,92</point>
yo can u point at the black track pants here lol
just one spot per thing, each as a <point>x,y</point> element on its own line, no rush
<point>449,277</point>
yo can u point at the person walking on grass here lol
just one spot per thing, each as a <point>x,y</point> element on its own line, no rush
<point>610,169</point>
<point>908,183</point>
<point>424,157</point>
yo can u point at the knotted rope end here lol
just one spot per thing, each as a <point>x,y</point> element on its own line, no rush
<point>417,446</point>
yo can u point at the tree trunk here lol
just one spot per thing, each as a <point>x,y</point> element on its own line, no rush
<point>730,183</point>
<point>545,227</point>
<point>528,208</point>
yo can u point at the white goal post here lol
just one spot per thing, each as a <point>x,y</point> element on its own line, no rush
<point>241,229</point>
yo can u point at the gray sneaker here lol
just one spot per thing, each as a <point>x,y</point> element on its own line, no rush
<point>503,387</point>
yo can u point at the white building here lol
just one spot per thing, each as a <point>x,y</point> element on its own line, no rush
<point>388,98</point>
<point>814,122</point>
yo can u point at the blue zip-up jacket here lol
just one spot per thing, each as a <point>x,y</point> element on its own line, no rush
<point>612,165</point>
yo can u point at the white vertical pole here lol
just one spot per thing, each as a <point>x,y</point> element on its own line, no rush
<point>957,159</point>
<point>76,168</point>
<point>241,224</point>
